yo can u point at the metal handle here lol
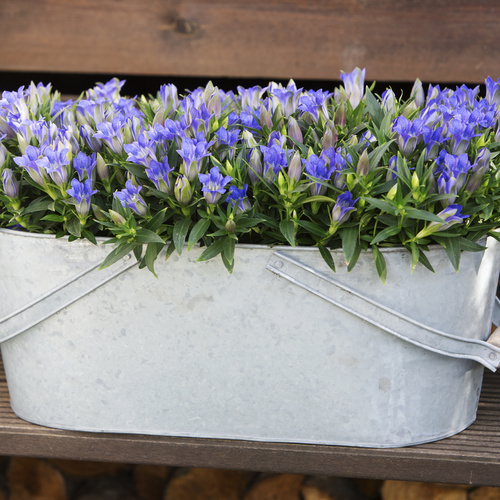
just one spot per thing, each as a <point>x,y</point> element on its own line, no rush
<point>60,297</point>
<point>383,317</point>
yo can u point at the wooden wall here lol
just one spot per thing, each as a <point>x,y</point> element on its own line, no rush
<point>396,40</point>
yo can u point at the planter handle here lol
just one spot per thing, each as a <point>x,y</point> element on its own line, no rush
<point>60,297</point>
<point>397,324</point>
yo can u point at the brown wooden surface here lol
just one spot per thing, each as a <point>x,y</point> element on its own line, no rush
<point>435,40</point>
<point>471,457</point>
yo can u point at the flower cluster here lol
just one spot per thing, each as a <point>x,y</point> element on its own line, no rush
<point>276,165</point>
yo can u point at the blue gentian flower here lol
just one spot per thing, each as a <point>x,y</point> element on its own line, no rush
<point>213,185</point>
<point>84,165</point>
<point>81,192</point>
<point>409,133</point>
<point>451,215</point>
<point>343,207</point>
<point>29,161</point>
<point>275,158</point>
<point>229,137</point>
<point>192,152</point>
<point>130,197</point>
<point>316,168</point>
<point>313,102</point>
<point>460,133</point>
<point>238,198</point>
<point>158,172</point>
<point>182,190</point>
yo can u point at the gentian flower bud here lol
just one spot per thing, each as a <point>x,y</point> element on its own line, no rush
<point>116,217</point>
<point>388,102</point>
<point>265,117</point>
<point>255,168</point>
<point>363,165</point>
<point>330,136</point>
<point>492,91</point>
<point>10,183</point>
<point>3,154</point>
<point>182,190</point>
<point>102,168</point>
<point>341,115</point>
<point>354,85</point>
<point>451,215</point>
<point>417,92</point>
<point>295,168</point>
<point>294,130</point>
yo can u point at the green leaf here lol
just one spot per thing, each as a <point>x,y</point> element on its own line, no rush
<point>415,213</point>
<point>179,234</point>
<point>415,256</point>
<point>287,228</point>
<point>152,251</point>
<point>386,233</point>
<point>374,108</point>
<point>381,204</point>
<point>198,231</point>
<point>40,205</point>
<point>349,242</point>
<point>74,227</point>
<point>117,253</point>
<point>380,264</point>
<point>425,261</point>
<point>170,250</point>
<point>354,259</point>
<point>470,246</point>
<point>147,236</point>
<point>228,253</point>
<point>327,256</point>
<point>452,247</point>
<point>378,152</point>
<point>214,249</point>
<point>313,228</point>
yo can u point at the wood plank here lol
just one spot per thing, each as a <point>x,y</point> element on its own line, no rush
<point>471,457</point>
<point>396,40</point>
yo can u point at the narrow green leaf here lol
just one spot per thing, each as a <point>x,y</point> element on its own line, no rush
<point>287,228</point>
<point>170,250</point>
<point>152,251</point>
<point>425,261</point>
<point>354,258</point>
<point>327,256</point>
<point>179,234</point>
<point>470,246</point>
<point>374,108</point>
<point>452,247</point>
<point>415,213</point>
<point>313,228</point>
<point>147,236</point>
<point>349,242</point>
<point>39,205</point>
<point>117,253</point>
<point>381,204</point>
<point>378,152</point>
<point>138,252</point>
<point>228,248</point>
<point>415,256</point>
<point>380,264</point>
<point>386,233</point>
<point>214,249</point>
<point>198,231</point>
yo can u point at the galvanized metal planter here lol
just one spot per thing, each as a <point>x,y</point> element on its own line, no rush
<point>281,350</point>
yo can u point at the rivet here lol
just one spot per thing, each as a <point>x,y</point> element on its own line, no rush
<point>278,264</point>
<point>493,355</point>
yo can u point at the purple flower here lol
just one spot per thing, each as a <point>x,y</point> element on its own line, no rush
<point>130,197</point>
<point>461,133</point>
<point>455,167</point>
<point>480,167</point>
<point>111,133</point>
<point>192,152</point>
<point>158,172</point>
<point>29,161</point>
<point>238,197</point>
<point>316,168</point>
<point>84,165</point>
<point>275,159</point>
<point>55,161</point>
<point>228,137</point>
<point>313,101</point>
<point>81,192</point>
<point>343,207</point>
<point>451,215</point>
<point>492,91</point>
<point>213,185</point>
<point>409,133</point>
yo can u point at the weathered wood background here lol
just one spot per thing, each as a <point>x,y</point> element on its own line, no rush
<point>396,40</point>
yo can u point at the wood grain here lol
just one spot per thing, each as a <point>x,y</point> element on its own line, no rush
<point>396,40</point>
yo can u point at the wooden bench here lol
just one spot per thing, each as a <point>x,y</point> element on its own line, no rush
<point>396,40</point>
